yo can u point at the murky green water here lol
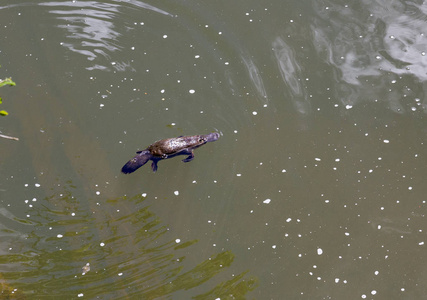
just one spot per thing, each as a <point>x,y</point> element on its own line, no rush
<point>315,189</point>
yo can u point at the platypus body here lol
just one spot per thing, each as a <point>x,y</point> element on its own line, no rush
<point>168,148</point>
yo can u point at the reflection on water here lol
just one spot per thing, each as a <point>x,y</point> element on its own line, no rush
<point>91,25</point>
<point>95,28</point>
<point>291,74</point>
<point>255,76</point>
<point>372,45</point>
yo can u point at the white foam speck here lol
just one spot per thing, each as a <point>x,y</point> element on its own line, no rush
<point>101,244</point>
<point>177,241</point>
<point>266,201</point>
<point>59,236</point>
<point>176,193</point>
<point>191,91</point>
<point>319,251</point>
<point>386,141</point>
<point>348,106</point>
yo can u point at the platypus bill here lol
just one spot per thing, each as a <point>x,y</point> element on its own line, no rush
<point>168,148</point>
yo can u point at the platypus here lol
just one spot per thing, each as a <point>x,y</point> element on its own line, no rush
<point>168,148</point>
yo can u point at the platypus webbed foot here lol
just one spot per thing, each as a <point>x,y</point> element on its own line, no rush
<point>189,158</point>
<point>154,165</point>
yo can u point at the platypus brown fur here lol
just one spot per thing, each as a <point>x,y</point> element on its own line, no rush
<point>168,148</point>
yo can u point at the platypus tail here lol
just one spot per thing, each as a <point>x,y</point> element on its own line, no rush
<point>136,162</point>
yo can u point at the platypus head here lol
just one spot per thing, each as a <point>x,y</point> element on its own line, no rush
<point>211,137</point>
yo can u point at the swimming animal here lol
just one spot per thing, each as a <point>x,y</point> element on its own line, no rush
<point>168,148</point>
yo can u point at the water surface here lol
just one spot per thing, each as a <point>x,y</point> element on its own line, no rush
<point>315,189</point>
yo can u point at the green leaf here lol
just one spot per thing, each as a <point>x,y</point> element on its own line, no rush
<point>3,113</point>
<point>7,81</point>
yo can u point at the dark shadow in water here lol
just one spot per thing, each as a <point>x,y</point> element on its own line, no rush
<point>123,252</point>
